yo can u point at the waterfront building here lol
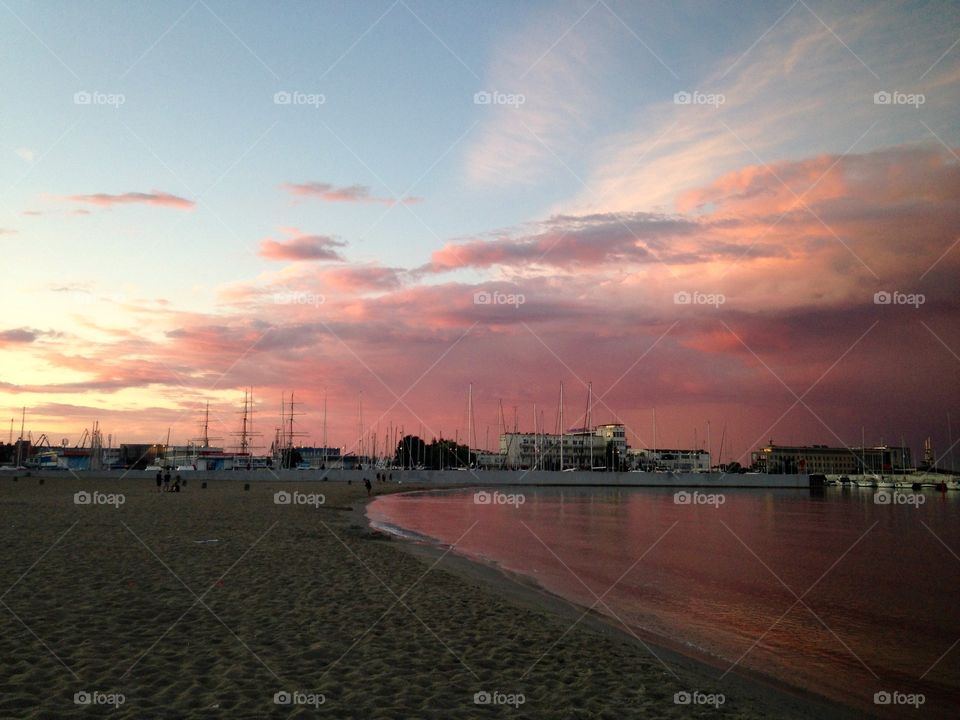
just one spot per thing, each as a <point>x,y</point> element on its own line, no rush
<point>827,460</point>
<point>581,449</point>
<point>677,460</point>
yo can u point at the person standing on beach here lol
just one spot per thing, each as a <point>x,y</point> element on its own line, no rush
<point>367,485</point>
<point>159,480</point>
<point>166,481</point>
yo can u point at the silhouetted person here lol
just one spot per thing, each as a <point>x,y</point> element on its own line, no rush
<point>159,480</point>
<point>166,480</point>
<point>367,485</point>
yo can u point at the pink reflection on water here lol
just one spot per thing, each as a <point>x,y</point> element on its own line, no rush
<point>880,587</point>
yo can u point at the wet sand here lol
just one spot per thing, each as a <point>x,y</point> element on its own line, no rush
<point>209,602</point>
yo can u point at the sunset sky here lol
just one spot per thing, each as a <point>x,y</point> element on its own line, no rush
<point>199,197</point>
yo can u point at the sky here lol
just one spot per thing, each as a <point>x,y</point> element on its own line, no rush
<point>738,215</point>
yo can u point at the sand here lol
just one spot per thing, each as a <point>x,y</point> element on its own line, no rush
<point>209,602</point>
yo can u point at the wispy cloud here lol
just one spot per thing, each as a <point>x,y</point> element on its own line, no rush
<point>155,197</point>
<point>328,192</point>
<point>557,64</point>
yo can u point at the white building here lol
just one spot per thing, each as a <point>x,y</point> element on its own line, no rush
<point>581,449</point>
<point>615,433</point>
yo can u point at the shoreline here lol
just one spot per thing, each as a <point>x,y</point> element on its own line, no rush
<point>522,590</point>
<point>317,601</point>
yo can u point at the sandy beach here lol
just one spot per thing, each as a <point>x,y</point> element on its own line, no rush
<point>220,602</point>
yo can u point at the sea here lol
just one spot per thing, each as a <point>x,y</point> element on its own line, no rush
<point>849,593</point>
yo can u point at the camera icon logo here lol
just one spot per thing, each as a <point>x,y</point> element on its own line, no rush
<point>482,698</point>
<point>482,498</point>
<point>882,698</point>
<point>282,498</point>
<point>682,298</point>
<point>482,298</point>
<point>81,498</point>
<point>82,698</point>
<point>882,498</point>
<point>882,98</point>
<point>282,98</point>
<point>82,98</point>
<point>681,498</point>
<point>282,698</point>
<point>882,297</point>
<point>682,698</point>
<point>682,98</point>
<point>482,98</point>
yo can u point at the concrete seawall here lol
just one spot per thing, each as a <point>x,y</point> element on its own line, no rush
<point>442,478</point>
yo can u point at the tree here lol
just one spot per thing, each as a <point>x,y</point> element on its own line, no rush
<point>439,454</point>
<point>409,452</point>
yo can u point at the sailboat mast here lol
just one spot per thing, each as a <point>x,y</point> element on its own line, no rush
<point>23,419</point>
<point>709,453</point>
<point>561,426</point>
<point>360,426</point>
<point>290,438</point>
<point>536,437</point>
<point>589,419</point>
<point>206,426</point>
<point>950,441</point>
<point>470,439</point>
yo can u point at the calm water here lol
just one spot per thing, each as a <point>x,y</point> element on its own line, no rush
<point>881,586</point>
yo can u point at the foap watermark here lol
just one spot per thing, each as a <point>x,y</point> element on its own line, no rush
<point>882,497</point>
<point>495,697</point>
<point>298,298</point>
<point>696,697</point>
<point>98,697</point>
<point>298,697</point>
<point>698,498</point>
<point>899,98</point>
<point>296,97</point>
<point>298,498</point>
<point>698,98</point>
<point>499,298</point>
<point>98,498</point>
<point>684,297</point>
<point>498,498</point>
<point>895,297</point>
<point>885,697</point>
<point>498,98</point>
<point>86,97</point>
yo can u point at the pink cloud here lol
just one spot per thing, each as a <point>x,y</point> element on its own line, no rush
<point>797,302</point>
<point>362,278</point>
<point>349,194</point>
<point>566,241</point>
<point>301,247</point>
<point>154,197</point>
